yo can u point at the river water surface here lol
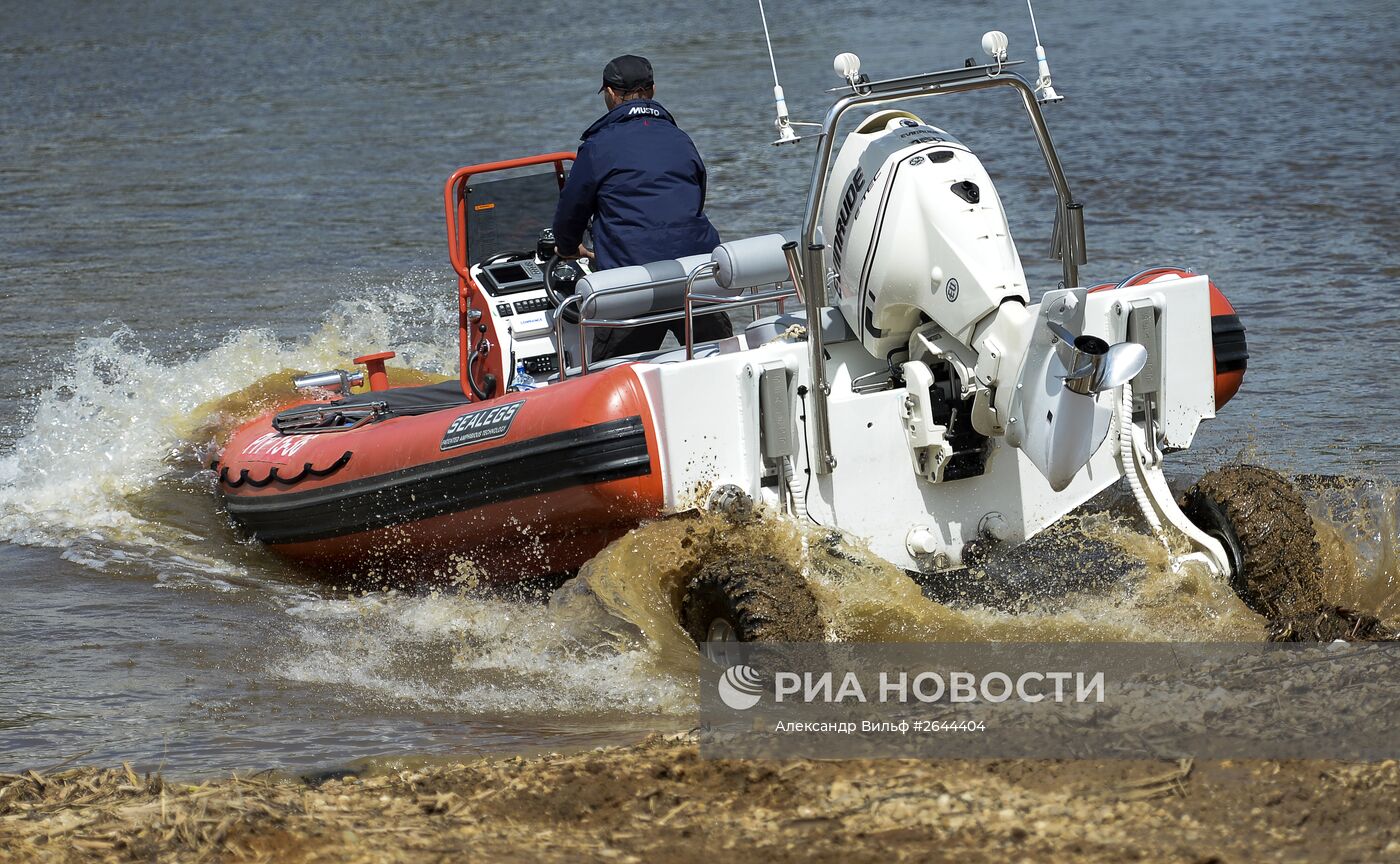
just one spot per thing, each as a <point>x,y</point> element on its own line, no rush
<point>194,198</point>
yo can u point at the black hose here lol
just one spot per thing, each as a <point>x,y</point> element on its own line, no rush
<point>896,372</point>
<point>471,380</point>
<point>807,457</point>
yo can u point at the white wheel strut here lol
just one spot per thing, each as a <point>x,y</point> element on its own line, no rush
<point>1154,496</point>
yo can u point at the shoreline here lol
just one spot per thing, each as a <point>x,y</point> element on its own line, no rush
<point>658,800</point>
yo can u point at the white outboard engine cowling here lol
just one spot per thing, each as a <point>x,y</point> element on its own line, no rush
<point>914,225</point>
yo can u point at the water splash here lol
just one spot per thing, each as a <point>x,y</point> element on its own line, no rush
<point>487,656</point>
<point>1358,529</point>
<point>608,642</point>
<point>120,436</point>
<point>109,469</point>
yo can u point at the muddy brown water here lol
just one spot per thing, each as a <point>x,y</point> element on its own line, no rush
<point>197,200</point>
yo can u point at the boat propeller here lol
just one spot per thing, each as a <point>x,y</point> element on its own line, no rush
<point>1096,366</point>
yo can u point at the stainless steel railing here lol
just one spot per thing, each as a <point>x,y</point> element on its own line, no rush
<point>694,304</point>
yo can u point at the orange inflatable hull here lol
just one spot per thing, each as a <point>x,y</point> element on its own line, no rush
<point>1229,349</point>
<point>523,485</point>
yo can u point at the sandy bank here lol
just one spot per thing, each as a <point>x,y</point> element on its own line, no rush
<point>659,800</point>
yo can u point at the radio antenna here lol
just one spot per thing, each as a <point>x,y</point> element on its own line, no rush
<point>1045,91</point>
<point>785,131</point>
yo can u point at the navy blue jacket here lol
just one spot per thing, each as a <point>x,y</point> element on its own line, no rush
<point>641,179</point>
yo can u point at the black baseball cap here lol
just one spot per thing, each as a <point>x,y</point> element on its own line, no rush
<point>626,73</point>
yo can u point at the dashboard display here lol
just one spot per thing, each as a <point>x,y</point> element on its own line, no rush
<point>510,277</point>
<point>509,273</point>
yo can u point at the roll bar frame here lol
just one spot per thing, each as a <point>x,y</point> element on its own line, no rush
<point>1068,245</point>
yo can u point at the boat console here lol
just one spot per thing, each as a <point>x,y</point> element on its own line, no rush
<point>513,286</point>
<point>522,306</point>
<point>510,277</point>
<point>508,245</point>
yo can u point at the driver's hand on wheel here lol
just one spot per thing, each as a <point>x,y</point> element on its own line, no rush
<point>583,252</point>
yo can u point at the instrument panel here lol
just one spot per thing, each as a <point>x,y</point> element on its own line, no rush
<point>514,287</point>
<point>511,277</point>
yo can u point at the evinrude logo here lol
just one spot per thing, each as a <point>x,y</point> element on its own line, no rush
<point>843,217</point>
<point>485,424</point>
<point>951,291</point>
<point>642,109</point>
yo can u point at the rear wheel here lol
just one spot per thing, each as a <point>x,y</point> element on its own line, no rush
<point>757,599</point>
<point>1261,520</point>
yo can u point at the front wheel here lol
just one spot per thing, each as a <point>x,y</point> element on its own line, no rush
<point>757,599</point>
<point>1261,520</point>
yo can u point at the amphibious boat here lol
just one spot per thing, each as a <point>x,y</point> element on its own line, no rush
<point>896,384</point>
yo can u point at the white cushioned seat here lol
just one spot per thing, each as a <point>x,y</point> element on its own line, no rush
<point>660,286</point>
<point>752,261</point>
<point>655,287</point>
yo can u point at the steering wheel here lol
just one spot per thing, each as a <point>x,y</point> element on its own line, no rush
<point>561,277</point>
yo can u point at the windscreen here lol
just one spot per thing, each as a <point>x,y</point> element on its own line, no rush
<point>508,215</point>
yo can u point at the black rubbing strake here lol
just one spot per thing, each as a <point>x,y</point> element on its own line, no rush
<point>1227,338</point>
<point>607,451</point>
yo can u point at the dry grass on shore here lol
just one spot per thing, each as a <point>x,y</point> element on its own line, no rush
<point>659,800</point>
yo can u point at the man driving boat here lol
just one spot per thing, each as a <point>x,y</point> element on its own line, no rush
<point>642,182</point>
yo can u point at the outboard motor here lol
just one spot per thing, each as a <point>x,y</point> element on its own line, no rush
<point>924,264</point>
<point>915,229</point>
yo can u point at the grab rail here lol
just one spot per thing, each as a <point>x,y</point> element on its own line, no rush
<point>738,301</point>
<point>709,305</point>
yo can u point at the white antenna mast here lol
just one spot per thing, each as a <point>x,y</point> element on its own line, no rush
<point>1045,91</point>
<point>785,131</point>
